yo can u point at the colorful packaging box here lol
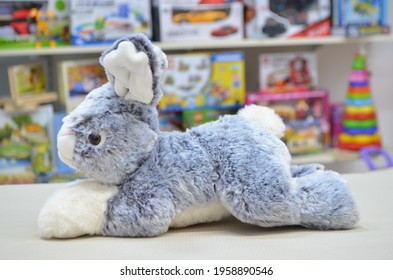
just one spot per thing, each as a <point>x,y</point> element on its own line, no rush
<point>269,19</point>
<point>196,117</point>
<point>306,115</point>
<point>355,18</point>
<point>29,24</point>
<point>284,72</point>
<point>26,145</point>
<point>336,117</point>
<point>77,78</point>
<point>103,21</point>
<point>187,20</point>
<point>214,80</point>
<point>171,121</point>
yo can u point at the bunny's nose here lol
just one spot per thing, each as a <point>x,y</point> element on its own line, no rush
<point>65,145</point>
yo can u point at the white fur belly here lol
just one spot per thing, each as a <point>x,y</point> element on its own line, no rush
<point>200,214</point>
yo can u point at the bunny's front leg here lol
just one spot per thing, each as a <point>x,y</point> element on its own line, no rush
<point>77,209</point>
<point>143,210</point>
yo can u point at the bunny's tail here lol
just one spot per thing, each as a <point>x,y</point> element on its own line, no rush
<point>264,117</point>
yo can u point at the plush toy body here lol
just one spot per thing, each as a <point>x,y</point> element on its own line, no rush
<point>145,181</point>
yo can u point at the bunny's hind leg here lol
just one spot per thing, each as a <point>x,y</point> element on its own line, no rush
<point>325,201</point>
<point>319,200</point>
<point>266,198</point>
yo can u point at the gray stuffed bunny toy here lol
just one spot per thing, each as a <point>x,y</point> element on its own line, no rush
<point>143,181</point>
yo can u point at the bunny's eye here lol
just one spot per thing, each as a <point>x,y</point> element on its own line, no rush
<point>95,139</point>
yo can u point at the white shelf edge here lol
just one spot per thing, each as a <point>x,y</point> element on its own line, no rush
<point>184,46</point>
<point>330,156</point>
<point>52,51</point>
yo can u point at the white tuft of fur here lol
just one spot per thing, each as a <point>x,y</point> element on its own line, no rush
<point>265,117</point>
<point>200,214</point>
<point>75,210</point>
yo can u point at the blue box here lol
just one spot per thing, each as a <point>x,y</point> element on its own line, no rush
<point>355,18</point>
<point>103,22</point>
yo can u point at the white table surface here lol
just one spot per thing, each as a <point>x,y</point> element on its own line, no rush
<point>228,239</point>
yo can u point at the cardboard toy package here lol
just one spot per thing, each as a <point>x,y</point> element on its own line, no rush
<point>288,71</point>
<point>270,19</point>
<point>306,116</point>
<point>103,21</point>
<point>30,24</point>
<point>27,145</point>
<point>357,18</point>
<point>187,20</point>
<point>214,80</point>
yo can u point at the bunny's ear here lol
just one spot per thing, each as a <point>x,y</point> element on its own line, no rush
<point>135,66</point>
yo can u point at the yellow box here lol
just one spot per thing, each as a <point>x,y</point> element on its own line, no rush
<point>213,80</point>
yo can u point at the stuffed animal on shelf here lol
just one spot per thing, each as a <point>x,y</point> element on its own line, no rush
<point>143,181</point>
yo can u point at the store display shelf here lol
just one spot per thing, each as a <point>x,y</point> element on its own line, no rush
<point>184,46</point>
<point>344,160</point>
<point>277,42</point>
<point>330,156</point>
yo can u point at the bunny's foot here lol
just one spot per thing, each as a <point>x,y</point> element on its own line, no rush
<point>326,201</point>
<point>77,209</point>
<point>305,169</point>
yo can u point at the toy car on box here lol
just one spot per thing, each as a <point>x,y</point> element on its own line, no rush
<point>355,18</point>
<point>214,80</point>
<point>268,19</point>
<point>284,72</point>
<point>102,21</point>
<point>306,116</point>
<point>200,21</point>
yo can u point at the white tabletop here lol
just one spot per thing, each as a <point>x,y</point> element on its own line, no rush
<point>229,239</point>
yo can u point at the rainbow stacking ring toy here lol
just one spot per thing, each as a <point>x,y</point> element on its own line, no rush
<point>359,123</point>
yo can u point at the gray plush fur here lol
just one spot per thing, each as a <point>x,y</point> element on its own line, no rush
<point>237,163</point>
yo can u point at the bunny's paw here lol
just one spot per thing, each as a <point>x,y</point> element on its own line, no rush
<point>75,210</point>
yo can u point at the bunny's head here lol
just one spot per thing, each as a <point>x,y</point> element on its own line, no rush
<point>112,132</point>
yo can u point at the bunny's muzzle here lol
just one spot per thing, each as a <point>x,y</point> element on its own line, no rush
<point>65,145</point>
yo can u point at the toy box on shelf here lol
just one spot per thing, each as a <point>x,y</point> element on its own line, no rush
<point>77,78</point>
<point>199,20</point>
<point>103,21</point>
<point>267,19</point>
<point>28,86</point>
<point>181,120</point>
<point>336,116</point>
<point>355,18</point>
<point>26,145</point>
<point>214,80</point>
<point>194,117</point>
<point>284,72</point>
<point>171,121</point>
<point>306,116</point>
<point>32,24</point>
